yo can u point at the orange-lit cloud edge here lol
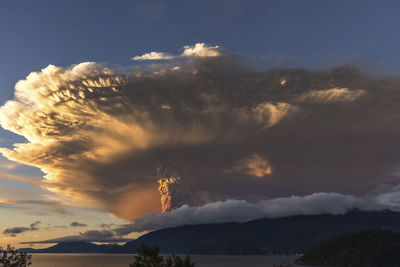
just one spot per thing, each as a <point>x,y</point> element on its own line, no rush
<point>194,129</point>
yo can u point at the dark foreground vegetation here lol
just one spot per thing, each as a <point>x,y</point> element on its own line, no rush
<point>149,257</point>
<point>370,248</point>
<point>146,257</point>
<point>11,258</point>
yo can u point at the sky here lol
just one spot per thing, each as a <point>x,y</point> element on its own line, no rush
<point>122,117</point>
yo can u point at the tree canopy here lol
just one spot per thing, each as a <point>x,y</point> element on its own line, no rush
<point>11,258</point>
<point>149,257</point>
<point>371,248</point>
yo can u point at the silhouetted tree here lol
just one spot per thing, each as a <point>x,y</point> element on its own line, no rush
<point>11,258</point>
<point>149,257</point>
<point>282,265</point>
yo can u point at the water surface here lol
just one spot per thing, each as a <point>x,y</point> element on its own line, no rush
<point>123,260</point>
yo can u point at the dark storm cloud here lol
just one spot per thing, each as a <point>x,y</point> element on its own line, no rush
<point>19,230</point>
<point>77,224</point>
<point>205,128</point>
<point>15,230</point>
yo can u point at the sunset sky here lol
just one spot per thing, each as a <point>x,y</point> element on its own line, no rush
<point>121,117</point>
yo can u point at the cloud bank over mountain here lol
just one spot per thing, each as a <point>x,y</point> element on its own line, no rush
<point>206,128</point>
<point>226,211</point>
<point>241,211</point>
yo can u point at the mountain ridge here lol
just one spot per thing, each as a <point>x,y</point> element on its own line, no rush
<point>72,247</point>
<point>286,235</point>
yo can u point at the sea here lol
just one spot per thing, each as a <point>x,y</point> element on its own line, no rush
<point>123,260</point>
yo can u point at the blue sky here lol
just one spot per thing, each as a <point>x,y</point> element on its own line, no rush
<point>298,33</point>
<point>311,33</point>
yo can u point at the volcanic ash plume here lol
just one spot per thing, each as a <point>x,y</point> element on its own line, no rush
<point>220,129</point>
<point>164,190</point>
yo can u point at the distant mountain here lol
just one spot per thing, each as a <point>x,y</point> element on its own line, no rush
<point>72,247</point>
<point>372,248</point>
<point>289,235</point>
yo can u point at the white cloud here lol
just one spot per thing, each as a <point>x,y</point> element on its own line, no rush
<point>241,210</point>
<point>154,56</point>
<point>201,50</point>
<point>197,50</point>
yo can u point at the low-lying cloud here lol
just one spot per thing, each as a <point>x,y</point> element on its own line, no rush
<point>228,211</point>
<point>100,236</point>
<point>241,211</point>
<point>203,129</point>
